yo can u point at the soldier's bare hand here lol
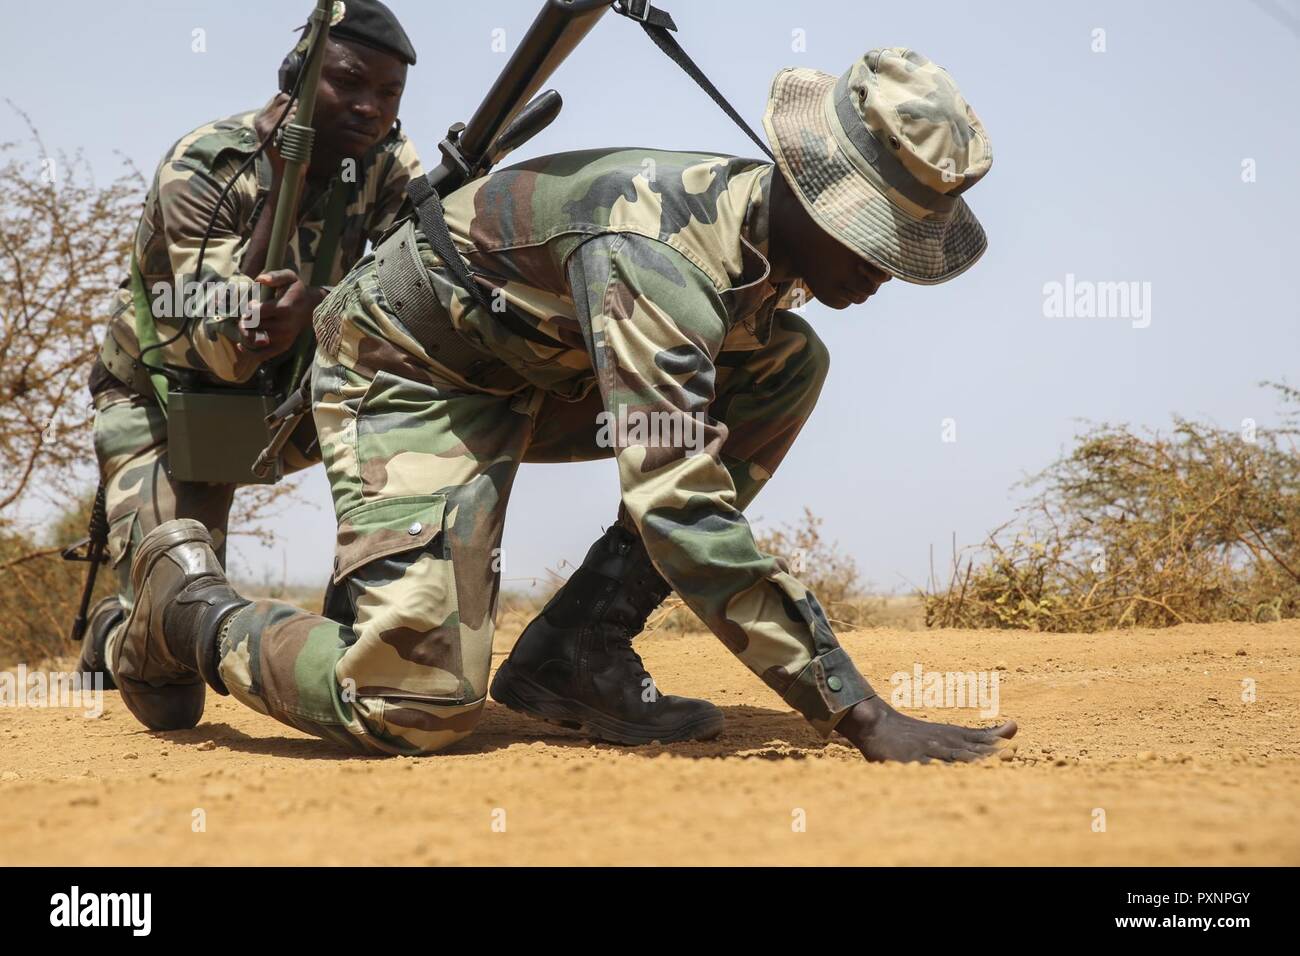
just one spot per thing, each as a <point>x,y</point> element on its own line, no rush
<point>273,325</point>
<point>265,121</point>
<point>882,733</point>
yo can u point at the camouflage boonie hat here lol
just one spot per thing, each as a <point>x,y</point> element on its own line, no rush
<point>879,158</point>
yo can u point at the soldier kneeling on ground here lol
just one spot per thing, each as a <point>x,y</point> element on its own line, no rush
<point>611,285</point>
<point>198,254</point>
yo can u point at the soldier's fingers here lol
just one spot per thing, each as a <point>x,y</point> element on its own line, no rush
<point>991,735</point>
<point>965,738</point>
<point>964,756</point>
<point>267,312</point>
<point>277,278</point>
<point>1005,731</point>
<point>254,340</point>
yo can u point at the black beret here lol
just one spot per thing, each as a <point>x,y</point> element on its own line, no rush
<point>371,24</point>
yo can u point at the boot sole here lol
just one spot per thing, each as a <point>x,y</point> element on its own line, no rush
<point>526,696</point>
<point>168,707</point>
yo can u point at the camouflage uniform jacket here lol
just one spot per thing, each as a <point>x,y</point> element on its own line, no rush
<point>654,264</point>
<point>177,208</point>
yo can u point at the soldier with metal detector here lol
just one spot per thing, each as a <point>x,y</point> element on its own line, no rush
<point>247,224</point>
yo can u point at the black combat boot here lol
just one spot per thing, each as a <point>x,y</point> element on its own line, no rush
<point>103,617</point>
<point>574,663</point>
<point>168,649</point>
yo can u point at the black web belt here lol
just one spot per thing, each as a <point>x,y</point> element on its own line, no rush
<point>405,282</point>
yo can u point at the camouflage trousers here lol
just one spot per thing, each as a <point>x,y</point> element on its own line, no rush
<point>421,473</point>
<point>130,438</point>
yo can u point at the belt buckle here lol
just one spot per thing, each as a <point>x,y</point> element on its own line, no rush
<point>635,9</point>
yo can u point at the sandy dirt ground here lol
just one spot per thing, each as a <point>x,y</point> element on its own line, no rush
<point>1147,727</point>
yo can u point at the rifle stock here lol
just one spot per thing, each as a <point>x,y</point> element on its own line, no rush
<point>557,29</point>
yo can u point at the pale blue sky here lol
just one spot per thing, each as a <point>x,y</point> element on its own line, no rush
<point>1116,166</point>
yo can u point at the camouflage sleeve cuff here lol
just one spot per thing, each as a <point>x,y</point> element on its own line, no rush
<point>826,689</point>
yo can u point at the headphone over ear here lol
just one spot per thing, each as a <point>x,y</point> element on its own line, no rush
<point>291,66</point>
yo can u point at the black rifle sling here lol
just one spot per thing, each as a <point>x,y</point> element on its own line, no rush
<point>428,210</point>
<point>659,26</point>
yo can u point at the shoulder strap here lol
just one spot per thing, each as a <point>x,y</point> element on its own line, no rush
<point>330,232</point>
<point>300,355</point>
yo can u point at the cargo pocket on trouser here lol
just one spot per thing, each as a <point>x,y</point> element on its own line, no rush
<point>122,539</point>
<point>405,677</point>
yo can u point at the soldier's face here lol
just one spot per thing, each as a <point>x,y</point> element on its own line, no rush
<point>837,276</point>
<point>356,105</point>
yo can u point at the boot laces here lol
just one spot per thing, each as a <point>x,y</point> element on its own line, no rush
<point>645,598</point>
<point>619,645</point>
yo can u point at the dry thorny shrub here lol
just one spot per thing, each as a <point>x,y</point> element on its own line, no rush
<point>821,566</point>
<point>64,247</point>
<point>817,562</point>
<point>63,243</point>
<point>1200,524</point>
<point>39,596</point>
